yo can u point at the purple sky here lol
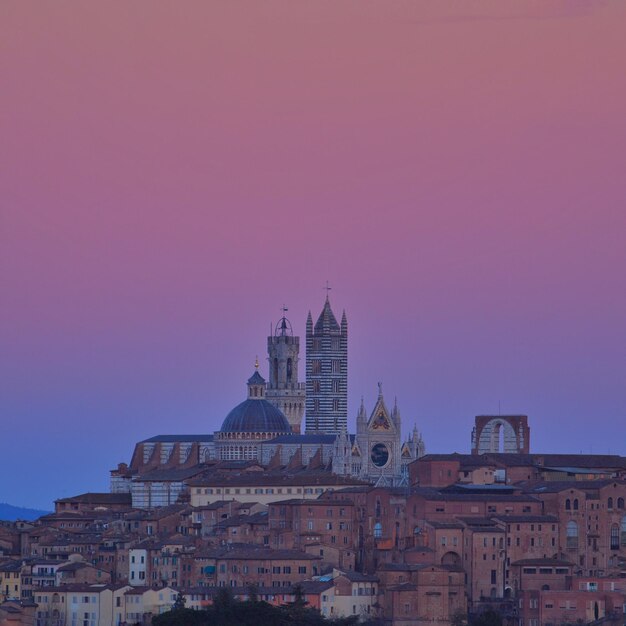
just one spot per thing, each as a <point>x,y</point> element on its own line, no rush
<point>170,175</point>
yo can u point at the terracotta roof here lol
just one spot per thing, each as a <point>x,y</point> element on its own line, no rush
<point>244,551</point>
<point>99,498</point>
<point>545,562</point>
<point>555,486</point>
<point>527,519</point>
<point>315,502</point>
<point>445,525</point>
<point>178,439</point>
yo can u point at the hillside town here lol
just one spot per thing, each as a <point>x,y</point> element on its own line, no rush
<point>364,524</point>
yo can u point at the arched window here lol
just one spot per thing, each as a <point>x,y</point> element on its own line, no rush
<point>623,531</point>
<point>289,370</point>
<point>377,508</point>
<point>275,368</point>
<point>568,504</point>
<point>572,534</point>
<point>620,503</point>
<point>378,530</point>
<point>575,504</point>
<point>614,537</point>
<point>610,503</point>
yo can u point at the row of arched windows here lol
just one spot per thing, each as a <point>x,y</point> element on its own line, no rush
<point>289,370</point>
<point>573,504</point>
<point>617,534</point>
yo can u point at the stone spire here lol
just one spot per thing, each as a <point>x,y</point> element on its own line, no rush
<point>395,415</point>
<point>361,418</point>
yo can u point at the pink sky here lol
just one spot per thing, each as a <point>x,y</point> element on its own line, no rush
<point>172,173</point>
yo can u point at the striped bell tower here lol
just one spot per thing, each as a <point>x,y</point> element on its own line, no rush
<point>326,373</point>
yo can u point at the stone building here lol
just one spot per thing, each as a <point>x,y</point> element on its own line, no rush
<point>501,433</point>
<point>326,373</point>
<point>284,391</point>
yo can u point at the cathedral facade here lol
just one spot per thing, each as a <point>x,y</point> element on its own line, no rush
<point>377,453</point>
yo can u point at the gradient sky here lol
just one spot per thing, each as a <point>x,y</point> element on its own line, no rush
<point>171,173</point>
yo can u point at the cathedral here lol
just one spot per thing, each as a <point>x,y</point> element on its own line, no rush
<point>252,430</point>
<point>266,426</point>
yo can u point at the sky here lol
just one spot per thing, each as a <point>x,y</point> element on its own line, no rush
<point>172,174</point>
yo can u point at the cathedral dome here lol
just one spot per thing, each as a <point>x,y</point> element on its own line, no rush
<point>255,415</point>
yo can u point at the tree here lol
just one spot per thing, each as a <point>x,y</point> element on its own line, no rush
<point>179,603</point>
<point>488,618</point>
<point>458,618</point>
<point>180,617</point>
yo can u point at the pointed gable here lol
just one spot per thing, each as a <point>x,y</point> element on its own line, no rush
<point>380,419</point>
<point>406,451</point>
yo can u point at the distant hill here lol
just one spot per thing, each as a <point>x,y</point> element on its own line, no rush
<point>10,513</point>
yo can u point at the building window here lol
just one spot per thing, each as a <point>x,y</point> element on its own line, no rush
<point>316,366</point>
<point>572,534</point>
<point>336,367</point>
<point>378,530</point>
<point>615,539</point>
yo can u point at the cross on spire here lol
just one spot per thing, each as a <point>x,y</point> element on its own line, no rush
<point>328,288</point>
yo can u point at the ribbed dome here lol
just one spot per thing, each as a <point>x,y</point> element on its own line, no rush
<point>255,416</point>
